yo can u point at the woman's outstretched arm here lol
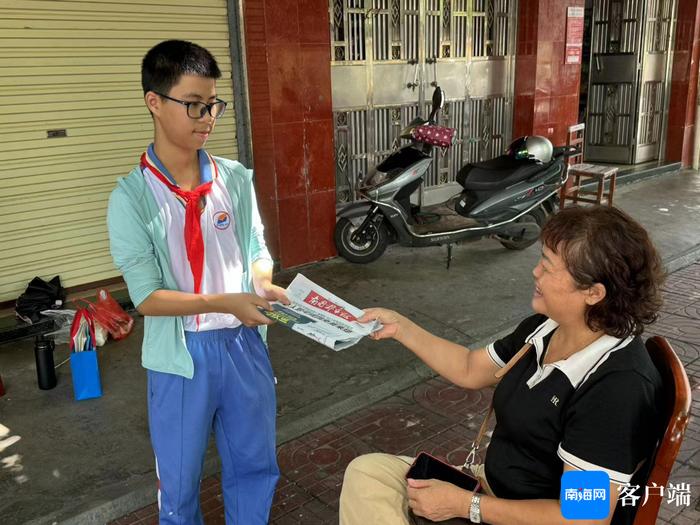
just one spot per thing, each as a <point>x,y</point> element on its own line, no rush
<point>472,369</point>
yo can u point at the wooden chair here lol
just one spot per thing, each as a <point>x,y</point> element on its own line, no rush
<point>575,138</point>
<point>579,173</point>
<point>677,404</point>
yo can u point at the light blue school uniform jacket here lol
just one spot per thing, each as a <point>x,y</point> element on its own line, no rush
<point>138,243</point>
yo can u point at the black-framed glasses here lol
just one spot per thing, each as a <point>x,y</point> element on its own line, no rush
<point>197,110</point>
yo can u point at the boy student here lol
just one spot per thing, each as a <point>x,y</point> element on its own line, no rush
<point>186,234</point>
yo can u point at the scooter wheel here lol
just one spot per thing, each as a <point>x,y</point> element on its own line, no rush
<point>513,243</point>
<point>363,253</point>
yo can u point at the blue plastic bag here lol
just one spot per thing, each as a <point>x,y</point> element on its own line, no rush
<point>86,375</point>
<point>83,357</point>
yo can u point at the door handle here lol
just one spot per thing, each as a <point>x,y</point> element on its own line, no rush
<point>413,85</point>
<point>598,65</point>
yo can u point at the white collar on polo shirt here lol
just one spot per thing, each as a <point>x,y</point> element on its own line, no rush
<point>579,366</point>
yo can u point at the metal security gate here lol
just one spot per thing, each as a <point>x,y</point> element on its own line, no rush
<point>387,55</point>
<point>629,79</point>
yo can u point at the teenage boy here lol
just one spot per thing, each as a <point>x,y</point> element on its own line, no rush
<point>186,234</point>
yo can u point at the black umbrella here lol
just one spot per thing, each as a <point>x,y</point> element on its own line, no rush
<point>39,295</point>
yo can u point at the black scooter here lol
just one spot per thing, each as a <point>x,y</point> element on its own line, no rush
<point>507,198</point>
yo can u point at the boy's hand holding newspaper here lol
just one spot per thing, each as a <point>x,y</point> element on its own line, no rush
<point>321,316</point>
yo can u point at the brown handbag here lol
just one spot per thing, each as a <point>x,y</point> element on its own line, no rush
<point>437,469</point>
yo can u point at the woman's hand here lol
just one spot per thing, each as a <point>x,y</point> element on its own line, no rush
<point>245,307</point>
<point>438,500</point>
<point>272,292</point>
<point>392,322</point>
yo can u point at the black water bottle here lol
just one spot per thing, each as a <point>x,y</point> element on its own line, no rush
<point>45,370</point>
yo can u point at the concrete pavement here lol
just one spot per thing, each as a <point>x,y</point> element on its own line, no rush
<point>90,462</point>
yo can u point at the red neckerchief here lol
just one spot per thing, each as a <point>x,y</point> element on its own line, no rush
<point>194,243</point>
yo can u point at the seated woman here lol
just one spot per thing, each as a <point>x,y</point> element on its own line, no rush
<point>586,396</point>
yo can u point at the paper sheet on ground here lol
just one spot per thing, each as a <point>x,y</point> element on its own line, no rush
<point>320,315</point>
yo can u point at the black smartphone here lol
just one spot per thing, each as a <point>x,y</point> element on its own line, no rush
<point>426,466</point>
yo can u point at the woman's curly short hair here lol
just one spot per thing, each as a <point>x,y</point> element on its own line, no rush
<point>605,245</point>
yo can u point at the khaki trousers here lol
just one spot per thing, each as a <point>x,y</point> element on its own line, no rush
<point>374,491</point>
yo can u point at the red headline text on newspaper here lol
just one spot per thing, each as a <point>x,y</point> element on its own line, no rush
<point>318,301</point>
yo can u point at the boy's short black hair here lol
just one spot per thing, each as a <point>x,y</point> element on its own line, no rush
<point>166,62</point>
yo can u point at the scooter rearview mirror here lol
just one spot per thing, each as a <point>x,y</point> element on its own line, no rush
<point>438,98</point>
<point>438,102</point>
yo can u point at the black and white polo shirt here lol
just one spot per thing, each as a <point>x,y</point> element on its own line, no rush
<point>599,409</point>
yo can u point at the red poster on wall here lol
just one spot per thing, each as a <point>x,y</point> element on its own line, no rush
<point>574,35</point>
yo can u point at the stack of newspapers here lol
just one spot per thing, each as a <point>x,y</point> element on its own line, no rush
<point>320,315</point>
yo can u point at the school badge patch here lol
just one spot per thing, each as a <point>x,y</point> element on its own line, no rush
<point>222,220</point>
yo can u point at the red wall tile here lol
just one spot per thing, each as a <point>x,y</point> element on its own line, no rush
<point>569,79</point>
<point>320,158</point>
<point>541,71</point>
<point>680,72</point>
<point>265,176</point>
<point>282,21</point>
<point>285,79</point>
<point>688,140</point>
<point>525,83</point>
<point>290,169</point>
<point>553,26</point>
<point>523,115</point>
<point>528,11</point>
<point>681,118</point>
<point>321,207</point>
<point>294,231</point>
<point>316,82</point>
<point>542,110</point>
<point>268,213</point>
<point>674,143</point>
<point>289,83</point>
<point>315,28</point>
<point>564,110</point>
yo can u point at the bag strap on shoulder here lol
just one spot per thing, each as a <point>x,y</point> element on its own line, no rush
<point>485,423</point>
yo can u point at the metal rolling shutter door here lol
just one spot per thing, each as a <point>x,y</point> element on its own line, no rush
<point>76,66</point>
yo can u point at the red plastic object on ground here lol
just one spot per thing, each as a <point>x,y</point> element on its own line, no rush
<point>2,388</point>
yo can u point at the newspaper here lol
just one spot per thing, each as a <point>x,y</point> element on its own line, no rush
<point>320,315</point>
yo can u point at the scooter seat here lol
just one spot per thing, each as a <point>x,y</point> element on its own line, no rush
<point>498,173</point>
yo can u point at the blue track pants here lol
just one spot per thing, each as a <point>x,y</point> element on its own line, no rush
<point>232,394</point>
